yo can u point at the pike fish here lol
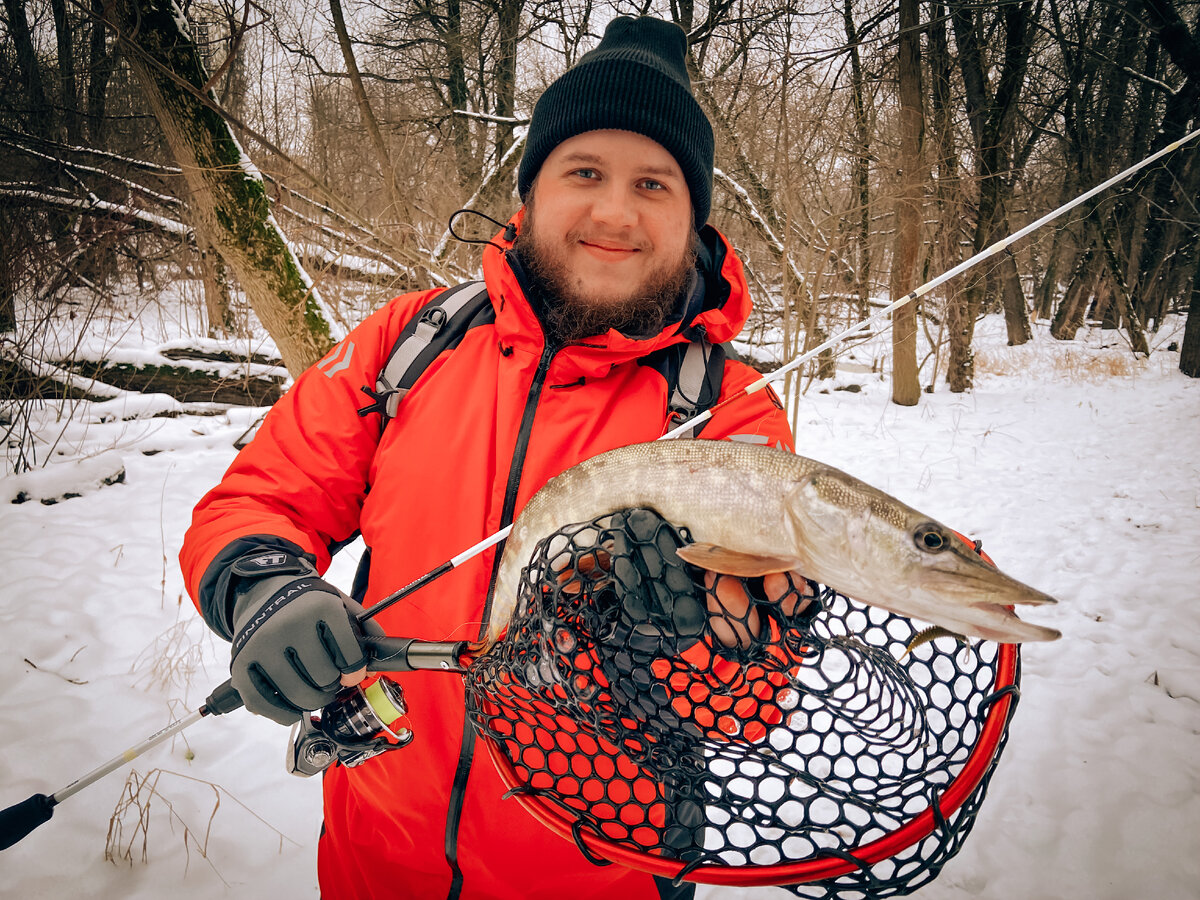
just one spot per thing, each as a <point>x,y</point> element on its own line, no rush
<point>753,510</point>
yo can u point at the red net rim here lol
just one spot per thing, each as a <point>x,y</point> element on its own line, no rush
<point>916,829</point>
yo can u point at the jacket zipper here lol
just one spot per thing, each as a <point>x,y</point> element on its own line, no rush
<point>467,747</point>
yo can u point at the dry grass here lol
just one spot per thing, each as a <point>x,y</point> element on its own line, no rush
<point>1060,361</point>
<point>129,825</point>
<point>174,659</point>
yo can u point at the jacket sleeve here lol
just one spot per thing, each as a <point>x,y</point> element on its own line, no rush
<point>757,418</point>
<point>300,484</point>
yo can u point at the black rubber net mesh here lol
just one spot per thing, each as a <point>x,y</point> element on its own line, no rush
<point>654,716</point>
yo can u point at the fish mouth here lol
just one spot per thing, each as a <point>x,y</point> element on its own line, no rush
<point>966,595</point>
<point>994,622</point>
<point>970,580</point>
<point>991,588</point>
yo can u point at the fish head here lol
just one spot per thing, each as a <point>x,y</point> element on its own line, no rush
<point>870,546</point>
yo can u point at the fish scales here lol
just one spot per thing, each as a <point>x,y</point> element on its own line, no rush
<point>753,509</point>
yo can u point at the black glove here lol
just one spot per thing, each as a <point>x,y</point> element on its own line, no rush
<point>294,635</point>
<point>662,607</point>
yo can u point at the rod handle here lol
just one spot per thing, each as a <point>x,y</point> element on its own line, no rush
<point>223,699</point>
<point>384,654</point>
<point>21,818</point>
<point>394,654</point>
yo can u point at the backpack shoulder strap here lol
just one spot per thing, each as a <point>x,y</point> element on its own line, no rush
<point>693,372</point>
<point>439,325</point>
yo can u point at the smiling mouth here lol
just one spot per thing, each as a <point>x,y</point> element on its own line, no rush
<point>616,250</point>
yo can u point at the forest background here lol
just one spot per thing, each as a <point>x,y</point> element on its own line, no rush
<point>862,148</point>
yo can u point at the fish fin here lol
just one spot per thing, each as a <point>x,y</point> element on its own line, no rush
<point>716,558</point>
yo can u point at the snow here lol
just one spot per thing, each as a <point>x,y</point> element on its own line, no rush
<point>63,479</point>
<point>1077,466</point>
<point>358,264</point>
<point>139,357</point>
<point>121,210</point>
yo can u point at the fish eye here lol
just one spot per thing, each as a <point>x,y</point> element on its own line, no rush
<point>929,537</point>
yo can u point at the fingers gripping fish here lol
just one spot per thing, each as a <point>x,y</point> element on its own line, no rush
<point>753,510</point>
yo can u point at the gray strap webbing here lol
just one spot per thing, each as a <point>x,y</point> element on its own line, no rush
<point>391,379</point>
<point>693,370</point>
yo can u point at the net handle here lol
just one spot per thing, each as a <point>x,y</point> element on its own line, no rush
<point>821,868</point>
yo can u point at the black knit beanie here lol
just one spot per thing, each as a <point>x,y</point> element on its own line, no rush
<point>634,80</point>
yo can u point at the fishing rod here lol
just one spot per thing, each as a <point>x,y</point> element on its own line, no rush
<point>349,730</point>
<point>798,361</point>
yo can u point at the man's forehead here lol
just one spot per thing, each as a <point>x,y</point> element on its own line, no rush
<point>649,168</point>
<point>607,146</point>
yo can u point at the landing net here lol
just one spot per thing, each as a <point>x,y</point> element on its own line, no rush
<point>630,710</point>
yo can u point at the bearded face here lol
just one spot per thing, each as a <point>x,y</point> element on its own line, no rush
<point>608,239</point>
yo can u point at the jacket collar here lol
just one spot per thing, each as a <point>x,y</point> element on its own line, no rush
<point>717,307</point>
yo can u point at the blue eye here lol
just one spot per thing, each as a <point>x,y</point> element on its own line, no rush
<point>652,185</point>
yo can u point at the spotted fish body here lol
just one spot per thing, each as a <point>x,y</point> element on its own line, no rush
<point>753,510</point>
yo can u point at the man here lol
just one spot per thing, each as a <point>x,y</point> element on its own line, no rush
<point>611,260</point>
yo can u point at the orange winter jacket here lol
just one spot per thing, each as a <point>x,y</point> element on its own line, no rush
<point>488,423</point>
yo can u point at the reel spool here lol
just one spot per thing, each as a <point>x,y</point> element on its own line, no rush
<point>353,728</point>
<point>818,754</point>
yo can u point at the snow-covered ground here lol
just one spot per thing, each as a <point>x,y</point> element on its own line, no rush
<point>1078,468</point>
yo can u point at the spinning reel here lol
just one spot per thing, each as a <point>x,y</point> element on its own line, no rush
<point>353,728</point>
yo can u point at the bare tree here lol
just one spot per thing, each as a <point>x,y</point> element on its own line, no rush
<point>397,208</point>
<point>992,113</point>
<point>1028,103</point>
<point>957,327</point>
<point>1170,235</point>
<point>227,196</point>
<point>1189,354</point>
<point>906,387</point>
<point>862,158</point>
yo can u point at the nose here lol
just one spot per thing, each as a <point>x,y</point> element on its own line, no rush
<point>613,206</point>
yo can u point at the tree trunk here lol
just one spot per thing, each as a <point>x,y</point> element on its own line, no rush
<point>1048,288</point>
<point>101,64</point>
<point>506,70</point>
<point>97,237</point>
<point>1189,353</point>
<point>397,209</point>
<point>226,194</point>
<point>862,164</point>
<point>1016,314</point>
<point>906,386</point>
<point>217,305</point>
<point>993,117</point>
<point>495,197</point>
<point>1124,304</point>
<point>960,331</point>
<point>66,71</point>
<point>35,112</point>
<point>1172,194</point>
<point>8,290</point>
<point>1171,230</point>
<point>960,324</point>
<point>456,87</point>
<point>37,109</point>
<point>1073,308</point>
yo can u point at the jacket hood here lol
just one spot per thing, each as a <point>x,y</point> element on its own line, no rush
<point>718,306</point>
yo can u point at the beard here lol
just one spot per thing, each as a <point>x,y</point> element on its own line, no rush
<point>568,314</point>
